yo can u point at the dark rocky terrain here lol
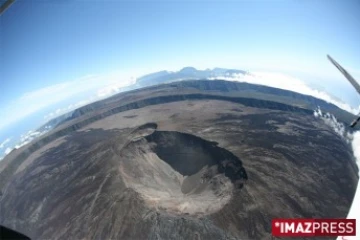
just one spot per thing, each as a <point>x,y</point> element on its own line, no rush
<point>238,91</point>
<point>188,160</point>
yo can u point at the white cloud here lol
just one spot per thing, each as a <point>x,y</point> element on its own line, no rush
<point>8,150</point>
<point>337,126</point>
<point>356,146</point>
<point>6,141</point>
<point>67,109</point>
<point>286,82</point>
<point>114,87</point>
<point>34,101</point>
<point>107,91</point>
<point>29,136</point>
<point>37,100</point>
<point>98,94</point>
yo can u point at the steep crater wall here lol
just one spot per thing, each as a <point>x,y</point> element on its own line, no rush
<point>180,173</point>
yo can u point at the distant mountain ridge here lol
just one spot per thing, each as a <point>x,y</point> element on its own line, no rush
<point>186,73</point>
<point>225,88</point>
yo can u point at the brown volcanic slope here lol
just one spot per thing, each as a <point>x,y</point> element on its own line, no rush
<point>186,169</point>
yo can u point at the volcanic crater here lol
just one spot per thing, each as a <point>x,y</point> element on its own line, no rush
<point>180,172</point>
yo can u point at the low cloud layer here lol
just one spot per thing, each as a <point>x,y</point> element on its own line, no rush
<point>4,143</point>
<point>25,139</point>
<point>31,135</point>
<point>331,121</point>
<point>94,87</point>
<point>356,146</point>
<point>67,109</point>
<point>105,90</point>
<point>286,82</point>
<point>8,150</point>
<point>339,128</point>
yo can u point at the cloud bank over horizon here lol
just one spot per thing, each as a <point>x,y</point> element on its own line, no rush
<point>91,87</point>
<point>4,143</point>
<point>287,82</point>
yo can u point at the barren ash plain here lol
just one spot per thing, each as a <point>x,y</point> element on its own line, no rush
<point>185,160</point>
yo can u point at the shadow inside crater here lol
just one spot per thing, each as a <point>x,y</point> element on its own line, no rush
<point>189,154</point>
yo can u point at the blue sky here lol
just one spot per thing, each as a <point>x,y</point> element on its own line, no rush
<point>52,51</point>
